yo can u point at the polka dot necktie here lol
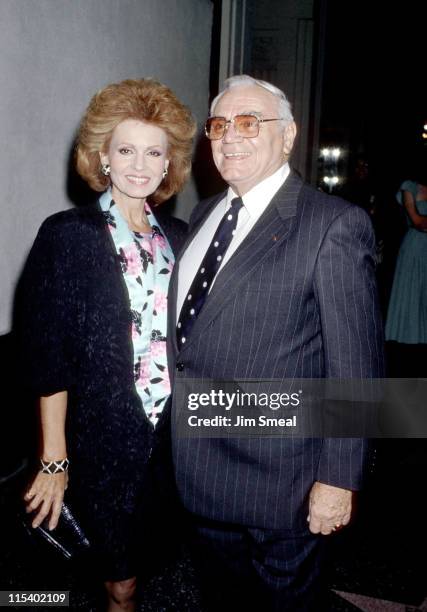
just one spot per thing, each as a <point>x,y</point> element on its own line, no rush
<point>211,262</point>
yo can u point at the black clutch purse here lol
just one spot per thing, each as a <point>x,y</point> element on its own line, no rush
<point>67,539</point>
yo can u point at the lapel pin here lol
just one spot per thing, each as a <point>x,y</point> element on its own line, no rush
<point>274,238</point>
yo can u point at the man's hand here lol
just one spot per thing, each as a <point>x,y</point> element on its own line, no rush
<point>329,508</point>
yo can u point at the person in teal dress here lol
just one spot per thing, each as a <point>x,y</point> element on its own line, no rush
<point>407,312</point>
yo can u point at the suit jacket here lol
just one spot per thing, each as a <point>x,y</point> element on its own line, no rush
<point>296,300</point>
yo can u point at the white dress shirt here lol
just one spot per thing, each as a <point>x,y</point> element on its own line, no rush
<point>254,204</point>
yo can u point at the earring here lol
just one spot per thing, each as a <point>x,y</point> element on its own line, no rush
<point>165,173</point>
<point>105,169</point>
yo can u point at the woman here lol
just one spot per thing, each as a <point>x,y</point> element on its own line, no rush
<point>94,322</point>
<point>407,312</point>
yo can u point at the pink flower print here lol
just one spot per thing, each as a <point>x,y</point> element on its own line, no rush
<point>132,259</point>
<point>160,241</point>
<point>160,300</point>
<point>166,385</point>
<point>147,246</point>
<point>111,222</point>
<point>158,349</point>
<point>143,379</point>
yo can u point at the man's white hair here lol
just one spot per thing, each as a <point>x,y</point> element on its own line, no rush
<point>243,80</point>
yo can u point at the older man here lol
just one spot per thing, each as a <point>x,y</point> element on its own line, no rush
<point>276,281</point>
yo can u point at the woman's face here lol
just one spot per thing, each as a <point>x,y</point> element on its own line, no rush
<point>137,156</point>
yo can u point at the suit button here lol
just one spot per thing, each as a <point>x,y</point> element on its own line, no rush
<point>179,366</point>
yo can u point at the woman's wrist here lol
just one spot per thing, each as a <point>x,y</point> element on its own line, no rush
<point>55,466</point>
<point>53,452</point>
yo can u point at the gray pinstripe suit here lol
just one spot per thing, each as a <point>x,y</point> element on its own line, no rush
<point>297,299</point>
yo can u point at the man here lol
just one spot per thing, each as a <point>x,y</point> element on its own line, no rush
<point>293,295</point>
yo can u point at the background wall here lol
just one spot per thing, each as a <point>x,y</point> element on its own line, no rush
<point>277,40</point>
<point>54,55</point>
<point>280,38</point>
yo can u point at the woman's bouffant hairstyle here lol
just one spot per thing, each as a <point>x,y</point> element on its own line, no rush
<point>144,100</point>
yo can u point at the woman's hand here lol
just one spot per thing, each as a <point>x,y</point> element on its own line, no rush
<point>46,494</point>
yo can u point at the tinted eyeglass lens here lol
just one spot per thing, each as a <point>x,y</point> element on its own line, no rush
<point>215,127</point>
<point>246,125</point>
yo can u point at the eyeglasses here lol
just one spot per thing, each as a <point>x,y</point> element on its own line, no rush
<point>246,126</point>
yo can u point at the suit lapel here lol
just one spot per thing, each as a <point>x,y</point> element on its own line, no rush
<point>268,233</point>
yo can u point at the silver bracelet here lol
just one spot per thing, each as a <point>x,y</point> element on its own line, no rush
<point>54,467</point>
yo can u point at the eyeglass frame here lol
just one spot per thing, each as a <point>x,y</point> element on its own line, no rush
<point>231,121</point>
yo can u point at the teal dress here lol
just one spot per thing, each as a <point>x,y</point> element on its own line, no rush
<point>407,312</point>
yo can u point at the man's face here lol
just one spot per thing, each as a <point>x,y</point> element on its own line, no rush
<point>245,162</point>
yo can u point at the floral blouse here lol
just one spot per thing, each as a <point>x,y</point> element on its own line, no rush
<point>146,261</point>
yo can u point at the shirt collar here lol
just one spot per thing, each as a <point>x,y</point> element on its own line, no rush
<point>263,192</point>
<point>106,198</point>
